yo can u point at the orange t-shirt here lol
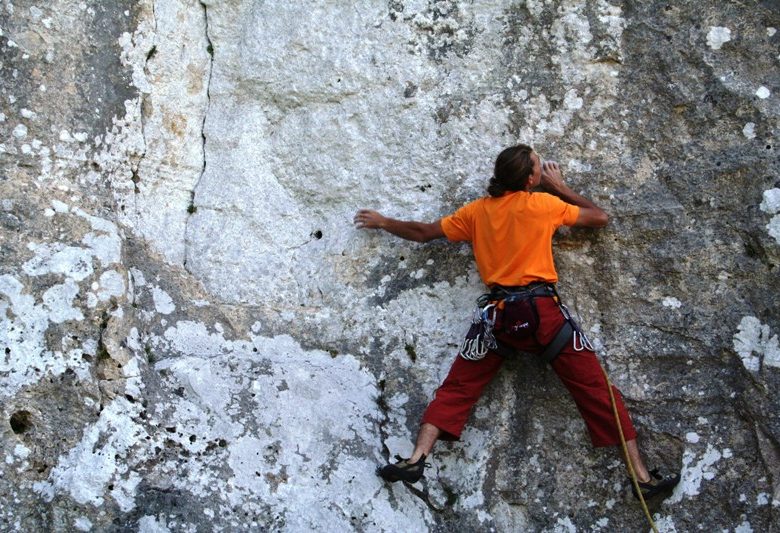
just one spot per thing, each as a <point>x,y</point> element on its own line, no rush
<point>512,235</point>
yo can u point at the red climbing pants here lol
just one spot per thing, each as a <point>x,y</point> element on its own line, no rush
<point>580,372</point>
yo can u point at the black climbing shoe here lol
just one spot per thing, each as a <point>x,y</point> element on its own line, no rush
<point>403,470</point>
<point>658,484</point>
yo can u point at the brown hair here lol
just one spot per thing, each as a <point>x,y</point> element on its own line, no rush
<point>513,168</point>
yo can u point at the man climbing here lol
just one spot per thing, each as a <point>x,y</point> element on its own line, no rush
<point>511,234</point>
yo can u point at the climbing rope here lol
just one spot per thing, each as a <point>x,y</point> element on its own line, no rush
<point>631,471</point>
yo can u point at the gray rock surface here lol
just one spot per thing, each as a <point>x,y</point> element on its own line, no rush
<point>196,338</point>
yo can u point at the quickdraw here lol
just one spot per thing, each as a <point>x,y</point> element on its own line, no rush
<point>480,339</point>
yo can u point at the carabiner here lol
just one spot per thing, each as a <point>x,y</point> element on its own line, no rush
<point>584,342</point>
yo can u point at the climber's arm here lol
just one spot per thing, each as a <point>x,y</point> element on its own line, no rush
<point>409,230</point>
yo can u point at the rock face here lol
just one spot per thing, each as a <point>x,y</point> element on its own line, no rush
<point>196,338</point>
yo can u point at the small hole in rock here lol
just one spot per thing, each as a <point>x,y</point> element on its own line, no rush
<point>317,234</point>
<point>20,422</point>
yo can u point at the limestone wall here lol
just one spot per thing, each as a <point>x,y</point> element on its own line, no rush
<point>196,338</point>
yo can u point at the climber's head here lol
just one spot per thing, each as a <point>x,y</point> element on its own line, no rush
<point>514,167</point>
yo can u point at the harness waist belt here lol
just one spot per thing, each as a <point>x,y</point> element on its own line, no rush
<point>499,292</point>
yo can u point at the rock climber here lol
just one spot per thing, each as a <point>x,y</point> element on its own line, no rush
<point>510,232</point>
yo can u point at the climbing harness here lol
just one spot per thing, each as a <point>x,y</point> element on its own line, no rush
<point>520,320</point>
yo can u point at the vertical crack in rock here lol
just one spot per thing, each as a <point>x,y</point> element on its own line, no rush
<point>381,402</point>
<point>191,209</point>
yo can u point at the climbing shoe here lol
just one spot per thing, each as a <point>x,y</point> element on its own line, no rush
<point>403,470</point>
<point>658,484</point>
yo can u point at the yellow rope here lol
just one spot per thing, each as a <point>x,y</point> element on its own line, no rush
<point>631,471</point>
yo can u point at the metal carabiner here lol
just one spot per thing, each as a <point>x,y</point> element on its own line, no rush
<point>583,343</point>
<point>565,312</point>
<point>485,314</point>
<point>579,340</point>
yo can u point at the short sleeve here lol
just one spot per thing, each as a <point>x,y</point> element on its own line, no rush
<point>459,225</point>
<point>562,214</point>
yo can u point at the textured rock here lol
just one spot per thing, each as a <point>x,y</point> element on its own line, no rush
<point>196,338</point>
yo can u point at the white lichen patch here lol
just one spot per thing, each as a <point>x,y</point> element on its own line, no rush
<point>749,130</point>
<point>756,345</point>
<point>102,456</point>
<point>291,421</point>
<point>163,303</point>
<point>83,524</point>
<point>29,358</point>
<point>57,258</point>
<point>150,524</point>
<point>572,101</point>
<point>23,330</point>
<point>112,284</point>
<point>107,452</point>
<point>744,527</point>
<point>59,207</point>
<point>564,525</point>
<point>771,201</point>
<point>471,473</point>
<point>718,36</point>
<point>763,93</point>
<point>20,131</point>
<point>76,262</point>
<point>671,301</point>
<point>58,301</point>
<point>664,524</point>
<point>771,205</point>
<point>692,437</point>
<point>694,474</point>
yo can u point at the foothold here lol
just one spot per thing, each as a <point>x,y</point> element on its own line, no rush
<point>317,234</point>
<point>20,422</point>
